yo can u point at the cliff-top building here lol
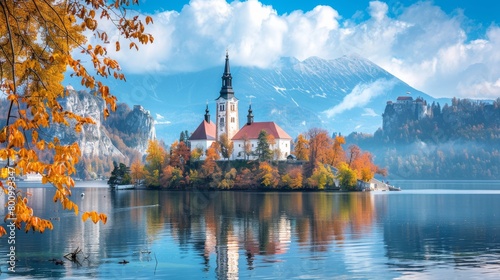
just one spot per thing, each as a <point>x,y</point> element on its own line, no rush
<point>227,121</point>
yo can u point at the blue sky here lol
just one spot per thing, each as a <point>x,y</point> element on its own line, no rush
<point>442,47</point>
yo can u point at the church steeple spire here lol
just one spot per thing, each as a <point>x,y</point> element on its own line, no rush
<point>227,119</point>
<point>207,115</point>
<point>227,83</point>
<point>250,115</point>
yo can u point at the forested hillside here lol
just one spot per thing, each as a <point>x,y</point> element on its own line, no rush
<point>460,140</point>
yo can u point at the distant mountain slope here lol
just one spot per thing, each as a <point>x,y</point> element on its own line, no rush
<point>343,95</point>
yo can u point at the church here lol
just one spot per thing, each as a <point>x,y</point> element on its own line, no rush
<point>227,121</point>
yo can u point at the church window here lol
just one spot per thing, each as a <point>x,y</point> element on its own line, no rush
<point>221,121</point>
<point>232,107</point>
<point>221,107</point>
<point>232,119</point>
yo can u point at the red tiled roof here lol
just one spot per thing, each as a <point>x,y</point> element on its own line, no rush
<point>402,98</point>
<point>205,131</point>
<point>252,131</point>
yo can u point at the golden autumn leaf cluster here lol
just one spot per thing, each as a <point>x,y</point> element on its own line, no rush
<point>318,148</point>
<point>37,47</point>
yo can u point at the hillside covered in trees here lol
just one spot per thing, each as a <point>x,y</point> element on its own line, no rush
<point>460,140</point>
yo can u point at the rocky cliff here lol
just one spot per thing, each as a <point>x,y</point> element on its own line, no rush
<point>95,140</point>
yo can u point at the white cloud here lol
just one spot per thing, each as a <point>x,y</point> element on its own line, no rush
<point>159,117</point>
<point>420,44</point>
<point>369,112</point>
<point>162,122</point>
<point>360,96</point>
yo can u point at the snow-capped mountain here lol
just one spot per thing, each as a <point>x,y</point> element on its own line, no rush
<point>342,95</point>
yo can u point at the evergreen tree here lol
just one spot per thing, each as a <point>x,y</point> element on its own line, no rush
<point>262,150</point>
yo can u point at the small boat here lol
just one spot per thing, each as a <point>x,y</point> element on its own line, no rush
<point>393,188</point>
<point>124,187</point>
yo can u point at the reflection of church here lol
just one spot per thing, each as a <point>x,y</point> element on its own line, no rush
<point>227,122</point>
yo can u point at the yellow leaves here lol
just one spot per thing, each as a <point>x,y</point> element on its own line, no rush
<point>95,217</point>
<point>132,44</point>
<point>90,23</point>
<point>2,231</point>
<point>33,86</point>
<point>34,136</point>
<point>15,139</point>
<point>37,224</point>
<point>40,145</point>
<point>103,218</point>
<point>4,173</point>
<point>3,135</point>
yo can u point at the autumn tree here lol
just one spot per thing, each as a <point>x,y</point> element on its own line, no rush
<point>39,40</point>
<point>155,159</point>
<point>171,176</point>
<point>247,146</point>
<point>210,170</point>
<point>196,153</point>
<point>365,167</point>
<point>301,149</point>
<point>179,154</point>
<point>346,176</point>
<point>137,171</point>
<point>228,180</point>
<point>338,153</point>
<point>353,153</point>
<point>293,178</point>
<point>268,175</point>
<point>226,146</point>
<point>320,144</point>
<point>321,178</point>
<point>275,151</point>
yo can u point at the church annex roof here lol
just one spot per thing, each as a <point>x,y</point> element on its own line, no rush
<point>205,131</point>
<point>251,131</point>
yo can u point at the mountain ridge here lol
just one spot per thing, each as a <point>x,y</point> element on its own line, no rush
<point>296,94</point>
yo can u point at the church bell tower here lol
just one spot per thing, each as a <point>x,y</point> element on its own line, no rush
<point>227,106</point>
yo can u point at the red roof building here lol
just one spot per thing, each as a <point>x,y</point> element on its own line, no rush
<point>251,131</point>
<point>204,135</point>
<point>249,135</point>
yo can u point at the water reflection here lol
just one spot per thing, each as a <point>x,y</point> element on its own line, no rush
<point>232,235</point>
<point>225,223</point>
<point>457,229</point>
<point>226,230</point>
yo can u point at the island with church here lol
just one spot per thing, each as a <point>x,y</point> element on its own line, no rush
<point>258,155</point>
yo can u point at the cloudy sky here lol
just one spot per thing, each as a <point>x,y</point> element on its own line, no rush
<point>444,48</point>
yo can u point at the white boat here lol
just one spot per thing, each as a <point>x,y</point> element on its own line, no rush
<point>124,187</point>
<point>32,177</point>
<point>393,188</point>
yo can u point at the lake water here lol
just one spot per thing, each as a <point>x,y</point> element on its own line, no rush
<point>430,230</point>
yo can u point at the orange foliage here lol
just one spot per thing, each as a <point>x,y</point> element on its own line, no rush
<point>293,178</point>
<point>268,175</point>
<point>30,79</point>
<point>320,145</point>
